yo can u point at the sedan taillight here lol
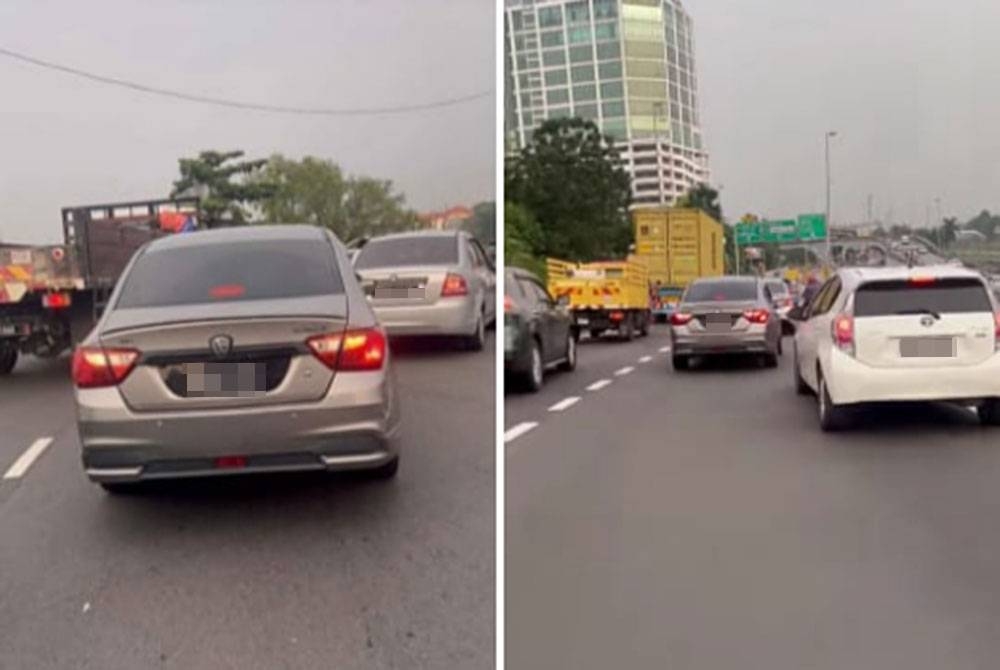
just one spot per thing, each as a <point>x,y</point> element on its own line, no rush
<point>454,285</point>
<point>94,367</point>
<point>843,333</point>
<point>352,350</point>
<point>759,316</point>
<point>680,318</point>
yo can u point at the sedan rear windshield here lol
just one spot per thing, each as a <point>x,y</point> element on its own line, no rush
<point>721,291</point>
<point>408,251</point>
<point>777,288</point>
<point>942,296</point>
<point>249,270</point>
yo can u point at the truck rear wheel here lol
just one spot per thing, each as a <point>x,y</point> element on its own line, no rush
<point>644,320</point>
<point>8,359</point>
<point>626,329</point>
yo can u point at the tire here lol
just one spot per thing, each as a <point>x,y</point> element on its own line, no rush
<point>596,334</point>
<point>8,359</point>
<point>801,388</point>
<point>680,362</point>
<point>831,417</point>
<point>386,471</point>
<point>770,360</point>
<point>627,331</point>
<point>120,488</point>
<point>535,375</point>
<point>644,325</point>
<point>989,412</point>
<point>477,340</point>
<point>781,346</point>
<point>569,364</point>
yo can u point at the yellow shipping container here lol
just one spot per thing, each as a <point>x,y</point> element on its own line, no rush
<point>678,245</point>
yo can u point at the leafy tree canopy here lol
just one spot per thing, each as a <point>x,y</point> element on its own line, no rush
<point>229,188</point>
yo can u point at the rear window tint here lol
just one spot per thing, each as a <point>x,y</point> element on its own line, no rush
<point>777,288</point>
<point>403,251</point>
<point>251,270</point>
<point>721,291</point>
<point>948,296</point>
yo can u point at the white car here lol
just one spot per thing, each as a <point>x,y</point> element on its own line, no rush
<point>899,334</point>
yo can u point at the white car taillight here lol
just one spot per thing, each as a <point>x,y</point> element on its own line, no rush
<point>843,333</point>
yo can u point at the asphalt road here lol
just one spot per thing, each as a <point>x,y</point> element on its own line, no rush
<point>291,572</point>
<point>702,521</point>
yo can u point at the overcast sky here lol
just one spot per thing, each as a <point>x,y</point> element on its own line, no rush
<point>912,86</point>
<point>66,141</point>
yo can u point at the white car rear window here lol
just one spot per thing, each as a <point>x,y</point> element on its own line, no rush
<point>941,296</point>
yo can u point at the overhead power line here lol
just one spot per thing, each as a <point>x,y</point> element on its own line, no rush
<point>237,104</point>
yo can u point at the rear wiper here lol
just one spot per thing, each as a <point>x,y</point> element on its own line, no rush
<point>920,310</point>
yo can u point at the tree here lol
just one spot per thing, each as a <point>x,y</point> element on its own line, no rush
<point>524,240</point>
<point>229,190</point>
<point>317,192</point>
<point>702,197</point>
<point>985,223</point>
<point>483,223</point>
<point>570,177</point>
<point>948,231</point>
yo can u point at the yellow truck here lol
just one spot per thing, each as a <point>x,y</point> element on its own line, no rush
<point>677,246</point>
<point>603,296</point>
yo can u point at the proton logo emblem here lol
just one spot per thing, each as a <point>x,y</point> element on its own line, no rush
<point>221,345</point>
<point>927,321</point>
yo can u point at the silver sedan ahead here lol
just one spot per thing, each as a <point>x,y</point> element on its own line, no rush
<point>236,351</point>
<point>725,315</point>
<point>430,283</point>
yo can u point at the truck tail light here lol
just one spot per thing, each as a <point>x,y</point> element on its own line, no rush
<point>843,333</point>
<point>759,316</point>
<point>56,300</point>
<point>454,285</point>
<point>351,351</point>
<point>94,367</point>
<point>617,316</point>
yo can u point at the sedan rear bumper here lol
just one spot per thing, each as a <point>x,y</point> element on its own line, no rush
<point>355,426</point>
<point>712,343</point>
<point>850,381</point>
<point>448,316</point>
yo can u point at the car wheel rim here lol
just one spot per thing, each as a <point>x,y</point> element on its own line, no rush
<point>536,365</point>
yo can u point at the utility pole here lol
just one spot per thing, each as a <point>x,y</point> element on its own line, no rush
<point>870,209</point>
<point>829,244</point>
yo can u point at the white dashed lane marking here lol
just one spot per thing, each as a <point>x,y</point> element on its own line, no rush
<point>564,404</point>
<point>519,430</point>
<point>30,455</point>
<point>645,359</point>
<point>624,371</point>
<point>598,385</point>
<point>664,350</point>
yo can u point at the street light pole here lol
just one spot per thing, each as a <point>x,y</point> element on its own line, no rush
<point>829,244</point>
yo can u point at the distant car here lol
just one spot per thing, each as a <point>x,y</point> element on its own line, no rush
<point>896,334</point>
<point>239,350</point>
<point>783,301</point>
<point>430,283</point>
<point>725,315</point>
<point>538,332</point>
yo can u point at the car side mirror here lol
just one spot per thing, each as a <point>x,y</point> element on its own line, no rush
<point>797,313</point>
<point>562,301</point>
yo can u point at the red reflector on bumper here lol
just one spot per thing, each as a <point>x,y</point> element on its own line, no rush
<point>229,462</point>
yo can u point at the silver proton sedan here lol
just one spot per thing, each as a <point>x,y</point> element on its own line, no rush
<point>242,350</point>
<point>430,283</point>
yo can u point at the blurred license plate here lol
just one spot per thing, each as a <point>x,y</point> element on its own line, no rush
<point>718,323</point>
<point>583,322</point>
<point>400,292</point>
<point>209,380</point>
<point>927,347</point>
<point>8,329</point>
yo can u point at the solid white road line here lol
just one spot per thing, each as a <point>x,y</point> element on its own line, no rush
<point>30,455</point>
<point>518,430</point>
<point>624,371</point>
<point>664,350</point>
<point>598,385</point>
<point>564,404</point>
<point>645,359</point>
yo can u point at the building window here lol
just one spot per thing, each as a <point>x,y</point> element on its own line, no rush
<point>577,12</point>
<point>608,50</point>
<point>515,20</point>
<point>550,58</point>
<point>605,9</point>
<point>559,113</point>
<point>584,93</point>
<point>581,54</point>
<point>579,35</point>
<point>555,77</point>
<point>612,89</point>
<point>526,119</point>
<point>606,31</point>
<point>585,111</point>
<point>646,68</point>
<point>582,73</point>
<point>614,108</point>
<point>549,16</point>
<point>616,128</point>
<point>557,96</point>
<point>552,38</point>
<point>610,70</point>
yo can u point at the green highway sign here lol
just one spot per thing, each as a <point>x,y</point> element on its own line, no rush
<point>812,227</point>
<point>806,228</point>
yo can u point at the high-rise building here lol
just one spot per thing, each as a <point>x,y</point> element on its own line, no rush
<point>627,65</point>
